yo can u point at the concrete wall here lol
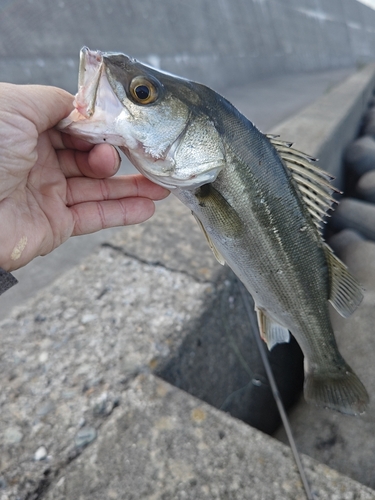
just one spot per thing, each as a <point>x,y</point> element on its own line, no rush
<point>221,42</point>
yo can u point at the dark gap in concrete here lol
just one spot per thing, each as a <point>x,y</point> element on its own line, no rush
<point>219,362</point>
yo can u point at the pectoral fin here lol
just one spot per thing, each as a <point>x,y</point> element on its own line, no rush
<point>219,212</point>
<point>270,331</point>
<point>211,244</point>
<point>345,291</point>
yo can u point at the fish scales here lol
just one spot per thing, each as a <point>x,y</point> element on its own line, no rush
<point>273,261</point>
<point>258,202</point>
<point>250,189</point>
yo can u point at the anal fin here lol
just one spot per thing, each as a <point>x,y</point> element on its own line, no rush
<point>345,291</point>
<point>270,331</point>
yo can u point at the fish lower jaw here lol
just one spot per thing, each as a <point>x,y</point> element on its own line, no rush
<point>164,172</point>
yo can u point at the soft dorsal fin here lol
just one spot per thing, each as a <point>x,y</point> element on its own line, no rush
<point>270,331</point>
<point>313,182</point>
<point>345,291</point>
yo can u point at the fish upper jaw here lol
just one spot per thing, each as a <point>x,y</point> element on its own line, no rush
<point>98,113</point>
<point>90,70</point>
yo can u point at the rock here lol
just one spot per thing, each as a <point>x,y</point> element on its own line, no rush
<point>357,215</point>
<point>85,436</point>
<point>340,241</point>
<point>40,454</point>
<point>13,435</point>
<point>365,188</point>
<point>368,127</point>
<point>87,318</point>
<point>45,408</point>
<point>164,444</point>
<point>360,156</point>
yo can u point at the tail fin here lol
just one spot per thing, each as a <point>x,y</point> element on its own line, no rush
<point>341,391</point>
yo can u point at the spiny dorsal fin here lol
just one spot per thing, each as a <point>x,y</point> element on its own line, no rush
<point>313,182</point>
<point>345,291</point>
<point>270,331</point>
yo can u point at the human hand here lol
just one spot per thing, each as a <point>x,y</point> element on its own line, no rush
<point>53,186</point>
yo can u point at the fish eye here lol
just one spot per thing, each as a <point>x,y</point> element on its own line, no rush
<point>143,90</point>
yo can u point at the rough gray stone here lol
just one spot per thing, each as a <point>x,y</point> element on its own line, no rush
<point>341,240</point>
<point>360,156</point>
<point>183,247</point>
<point>365,188</point>
<point>13,435</point>
<point>163,444</point>
<point>368,127</point>
<point>58,373</point>
<point>135,306</point>
<point>85,436</point>
<point>355,214</point>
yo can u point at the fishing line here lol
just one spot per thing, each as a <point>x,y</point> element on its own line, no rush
<point>249,306</point>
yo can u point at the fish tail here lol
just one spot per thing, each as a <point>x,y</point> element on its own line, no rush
<point>340,390</point>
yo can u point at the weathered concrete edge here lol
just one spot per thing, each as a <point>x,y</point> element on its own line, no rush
<point>194,451</point>
<point>327,126</point>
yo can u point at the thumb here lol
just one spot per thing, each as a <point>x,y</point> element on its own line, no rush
<point>42,105</point>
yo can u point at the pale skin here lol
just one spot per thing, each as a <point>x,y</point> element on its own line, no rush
<point>53,186</point>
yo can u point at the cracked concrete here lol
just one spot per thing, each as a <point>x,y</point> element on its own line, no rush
<point>66,362</point>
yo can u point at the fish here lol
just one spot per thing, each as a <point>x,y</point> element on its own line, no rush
<point>260,203</point>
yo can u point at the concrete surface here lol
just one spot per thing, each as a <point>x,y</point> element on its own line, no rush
<point>327,126</point>
<point>221,43</point>
<point>190,451</point>
<point>152,299</point>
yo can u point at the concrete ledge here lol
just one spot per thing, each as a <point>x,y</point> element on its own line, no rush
<point>164,444</point>
<point>325,128</point>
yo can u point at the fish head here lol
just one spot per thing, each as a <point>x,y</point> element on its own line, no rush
<point>158,120</point>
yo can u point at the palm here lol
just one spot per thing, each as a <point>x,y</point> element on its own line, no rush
<point>41,214</point>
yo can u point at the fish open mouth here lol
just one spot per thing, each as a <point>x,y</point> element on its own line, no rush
<point>90,71</point>
<point>89,75</point>
<point>96,107</point>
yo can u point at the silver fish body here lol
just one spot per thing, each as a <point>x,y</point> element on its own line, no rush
<point>258,215</point>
